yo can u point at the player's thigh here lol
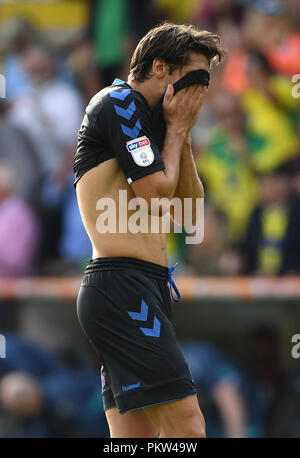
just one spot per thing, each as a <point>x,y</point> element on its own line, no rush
<point>131,424</point>
<point>178,417</point>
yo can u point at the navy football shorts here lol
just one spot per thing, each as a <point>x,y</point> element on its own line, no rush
<point>124,307</point>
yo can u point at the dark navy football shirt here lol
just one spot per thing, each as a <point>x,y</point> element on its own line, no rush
<point>117,123</point>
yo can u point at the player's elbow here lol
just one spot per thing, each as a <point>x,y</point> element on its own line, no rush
<point>155,192</point>
<point>156,204</point>
<point>166,189</point>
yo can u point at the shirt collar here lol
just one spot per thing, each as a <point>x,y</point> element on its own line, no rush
<point>118,81</point>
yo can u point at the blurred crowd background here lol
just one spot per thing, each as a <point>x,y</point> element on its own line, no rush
<point>55,55</point>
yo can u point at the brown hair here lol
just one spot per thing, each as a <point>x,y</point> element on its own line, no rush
<point>173,43</point>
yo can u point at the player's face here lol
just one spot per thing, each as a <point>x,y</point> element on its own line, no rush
<point>196,62</point>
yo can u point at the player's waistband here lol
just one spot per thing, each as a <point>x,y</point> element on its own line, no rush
<point>123,263</point>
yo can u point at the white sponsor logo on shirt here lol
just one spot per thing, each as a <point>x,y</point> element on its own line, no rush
<point>141,151</point>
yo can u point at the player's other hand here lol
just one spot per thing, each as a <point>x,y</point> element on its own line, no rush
<point>182,109</point>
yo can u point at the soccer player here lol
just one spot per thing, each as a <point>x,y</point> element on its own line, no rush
<point>124,301</point>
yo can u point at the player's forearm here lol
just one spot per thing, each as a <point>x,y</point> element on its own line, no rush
<point>189,183</point>
<point>171,155</point>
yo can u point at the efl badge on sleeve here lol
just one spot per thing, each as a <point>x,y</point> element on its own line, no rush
<point>141,151</point>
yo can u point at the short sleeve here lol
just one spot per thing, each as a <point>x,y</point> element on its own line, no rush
<point>128,134</point>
